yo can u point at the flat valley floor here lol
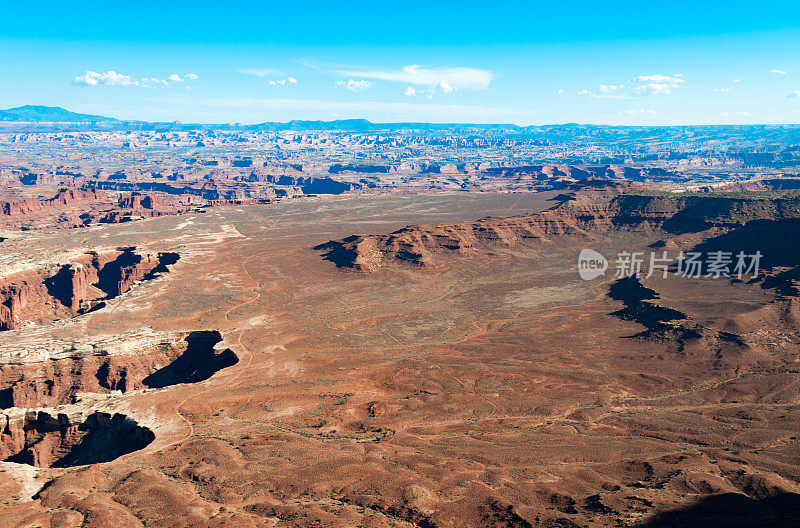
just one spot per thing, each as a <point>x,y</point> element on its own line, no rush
<point>494,389</point>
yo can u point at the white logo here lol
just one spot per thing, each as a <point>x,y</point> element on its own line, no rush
<point>591,264</point>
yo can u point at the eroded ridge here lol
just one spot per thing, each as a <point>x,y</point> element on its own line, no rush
<point>40,296</point>
<point>586,213</point>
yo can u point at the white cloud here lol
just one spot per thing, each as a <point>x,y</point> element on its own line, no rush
<point>654,89</point>
<point>447,79</point>
<point>261,72</point>
<point>723,90</point>
<point>609,88</point>
<point>560,91</point>
<point>657,84</point>
<point>112,78</point>
<point>641,85</point>
<point>737,80</point>
<point>795,93</point>
<point>675,79</point>
<point>283,82</point>
<point>109,78</point>
<point>152,81</point>
<point>354,85</point>
<point>610,91</point>
<point>640,111</point>
<point>779,72</point>
<point>410,91</point>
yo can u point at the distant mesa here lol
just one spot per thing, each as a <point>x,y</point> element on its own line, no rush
<point>585,214</point>
<point>54,114</point>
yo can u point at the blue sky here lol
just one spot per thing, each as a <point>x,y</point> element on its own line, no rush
<point>518,62</point>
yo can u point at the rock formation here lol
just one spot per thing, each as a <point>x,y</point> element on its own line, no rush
<point>64,197</point>
<point>580,214</point>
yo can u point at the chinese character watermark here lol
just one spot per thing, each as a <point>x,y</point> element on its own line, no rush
<point>690,264</point>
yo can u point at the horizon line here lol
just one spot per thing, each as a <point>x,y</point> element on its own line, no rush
<point>364,119</point>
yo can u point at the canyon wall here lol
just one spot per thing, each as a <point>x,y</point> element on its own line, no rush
<point>63,198</point>
<point>44,439</point>
<point>40,296</point>
<point>46,382</point>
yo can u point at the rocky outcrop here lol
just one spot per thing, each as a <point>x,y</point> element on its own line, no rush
<point>48,438</point>
<point>43,295</point>
<point>137,200</point>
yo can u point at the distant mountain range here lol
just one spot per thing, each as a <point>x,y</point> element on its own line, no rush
<point>56,114</point>
<point>50,114</point>
<point>44,117</point>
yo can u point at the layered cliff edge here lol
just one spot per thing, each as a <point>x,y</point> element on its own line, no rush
<point>42,377</point>
<point>79,207</point>
<point>42,295</point>
<point>585,214</point>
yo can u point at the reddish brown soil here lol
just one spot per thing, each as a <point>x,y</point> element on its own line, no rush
<point>495,389</point>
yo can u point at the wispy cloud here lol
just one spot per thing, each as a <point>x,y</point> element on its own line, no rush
<point>723,90</point>
<point>153,81</point>
<point>779,72</point>
<point>410,91</point>
<point>261,72</point>
<point>354,85</point>
<point>605,91</point>
<point>641,111</point>
<point>245,108</point>
<point>283,82</point>
<point>795,93</point>
<point>675,79</point>
<point>609,88</point>
<point>269,72</point>
<point>446,79</point>
<point>639,86</point>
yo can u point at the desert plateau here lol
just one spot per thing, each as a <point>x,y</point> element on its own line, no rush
<point>366,265</point>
